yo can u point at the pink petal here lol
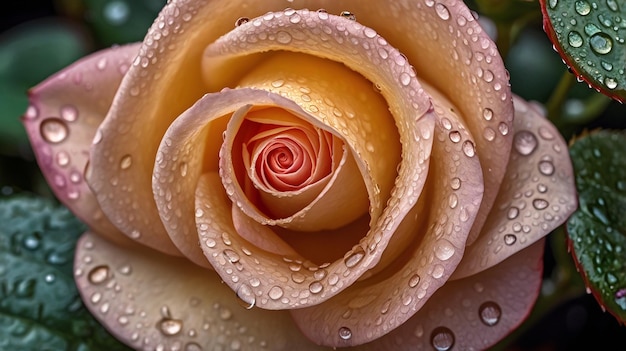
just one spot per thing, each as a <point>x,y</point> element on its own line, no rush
<point>64,113</point>
<point>374,307</point>
<point>537,195</point>
<point>151,301</point>
<point>475,312</point>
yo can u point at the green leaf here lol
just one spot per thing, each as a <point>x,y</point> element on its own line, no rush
<point>590,36</point>
<point>40,308</point>
<point>597,231</point>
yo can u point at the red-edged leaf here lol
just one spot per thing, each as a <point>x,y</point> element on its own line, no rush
<point>590,37</point>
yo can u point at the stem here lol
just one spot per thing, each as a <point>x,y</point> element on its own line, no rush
<point>558,97</point>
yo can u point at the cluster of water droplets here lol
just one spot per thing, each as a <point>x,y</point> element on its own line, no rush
<point>597,28</point>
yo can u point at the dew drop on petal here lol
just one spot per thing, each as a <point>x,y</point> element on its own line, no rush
<point>490,313</point>
<point>345,333</point>
<point>540,204</point>
<point>275,293</point>
<point>601,43</point>
<point>510,239</point>
<point>546,167</point>
<point>170,327</point>
<point>53,130</point>
<point>414,280</point>
<point>241,20</point>
<point>442,11</point>
<point>525,142</point>
<point>126,162</point>
<point>69,113</point>
<point>442,339</point>
<point>246,296</point>
<point>316,287</point>
<point>469,149</point>
<point>99,274</point>
<point>354,258</point>
<point>348,15</point>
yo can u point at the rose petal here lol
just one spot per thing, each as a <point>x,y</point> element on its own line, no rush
<point>64,113</point>
<point>358,48</point>
<point>377,305</point>
<point>475,312</point>
<point>328,210</point>
<point>131,292</point>
<point>537,195</point>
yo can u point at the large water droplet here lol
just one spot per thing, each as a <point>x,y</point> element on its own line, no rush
<point>582,7</point>
<point>283,37</point>
<point>610,82</point>
<point>546,167</point>
<point>414,280</point>
<point>316,287</point>
<point>126,162</point>
<point>575,39</point>
<point>169,326</point>
<point>490,313</point>
<point>53,130</point>
<point>348,15</point>
<point>246,296</point>
<point>455,136</point>
<point>444,250</point>
<point>442,11</point>
<point>442,339</point>
<point>510,239</point>
<point>468,148</point>
<point>601,43</point>
<point>355,257</point>
<point>99,274</point>
<point>275,293</point>
<point>241,20</point>
<point>345,333</point>
<point>525,142</point>
<point>552,3</point>
<point>540,204</point>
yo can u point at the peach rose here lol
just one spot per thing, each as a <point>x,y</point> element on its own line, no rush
<point>304,174</point>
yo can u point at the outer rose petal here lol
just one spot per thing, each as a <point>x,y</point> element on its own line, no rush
<point>64,113</point>
<point>537,194</point>
<point>475,312</point>
<point>376,306</point>
<point>154,302</point>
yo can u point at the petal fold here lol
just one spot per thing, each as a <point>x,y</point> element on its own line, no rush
<point>62,119</point>
<point>130,291</point>
<point>537,194</point>
<point>438,225</point>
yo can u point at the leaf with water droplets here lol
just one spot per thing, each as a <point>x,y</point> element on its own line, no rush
<point>590,36</point>
<point>597,230</point>
<point>40,307</point>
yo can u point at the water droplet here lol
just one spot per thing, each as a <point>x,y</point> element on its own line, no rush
<point>345,333</point>
<point>231,256</point>
<point>444,250</point>
<point>525,142</point>
<point>612,4</point>
<point>241,20</point>
<point>510,239</point>
<point>275,293</point>
<point>31,112</point>
<point>455,183</point>
<point>63,158</point>
<point>552,3</point>
<point>246,296</point>
<point>582,7</point>
<point>442,11</point>
<point>99,274</point>
<point>575,39</point>
<point>601,43</point>
<point>283,37</point>
<point>503,128</point>
<point>488,114</point>
<point>126,162</point>
<point>489,134</point>
<point>540,204</point>
<point>405,79</point>
<point>490,313</point>
<point>169,326</point>
<point>348,15</point>
<point>414,280</point>
<point>546,167</point>
<point>468,148</point>
<point>355,257</point>
<point>455,136</point>
<point>316,287</point>
<point>442,339</point>
<point>512,213</point>
<point>53,130</point>
<point>69,113</point>
<point>610,82</point>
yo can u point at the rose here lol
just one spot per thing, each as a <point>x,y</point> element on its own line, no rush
<point>367,180</point>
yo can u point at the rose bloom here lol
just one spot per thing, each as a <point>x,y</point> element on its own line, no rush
<point>303,175</point>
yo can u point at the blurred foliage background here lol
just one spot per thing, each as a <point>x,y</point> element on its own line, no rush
<point>39,37</point>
